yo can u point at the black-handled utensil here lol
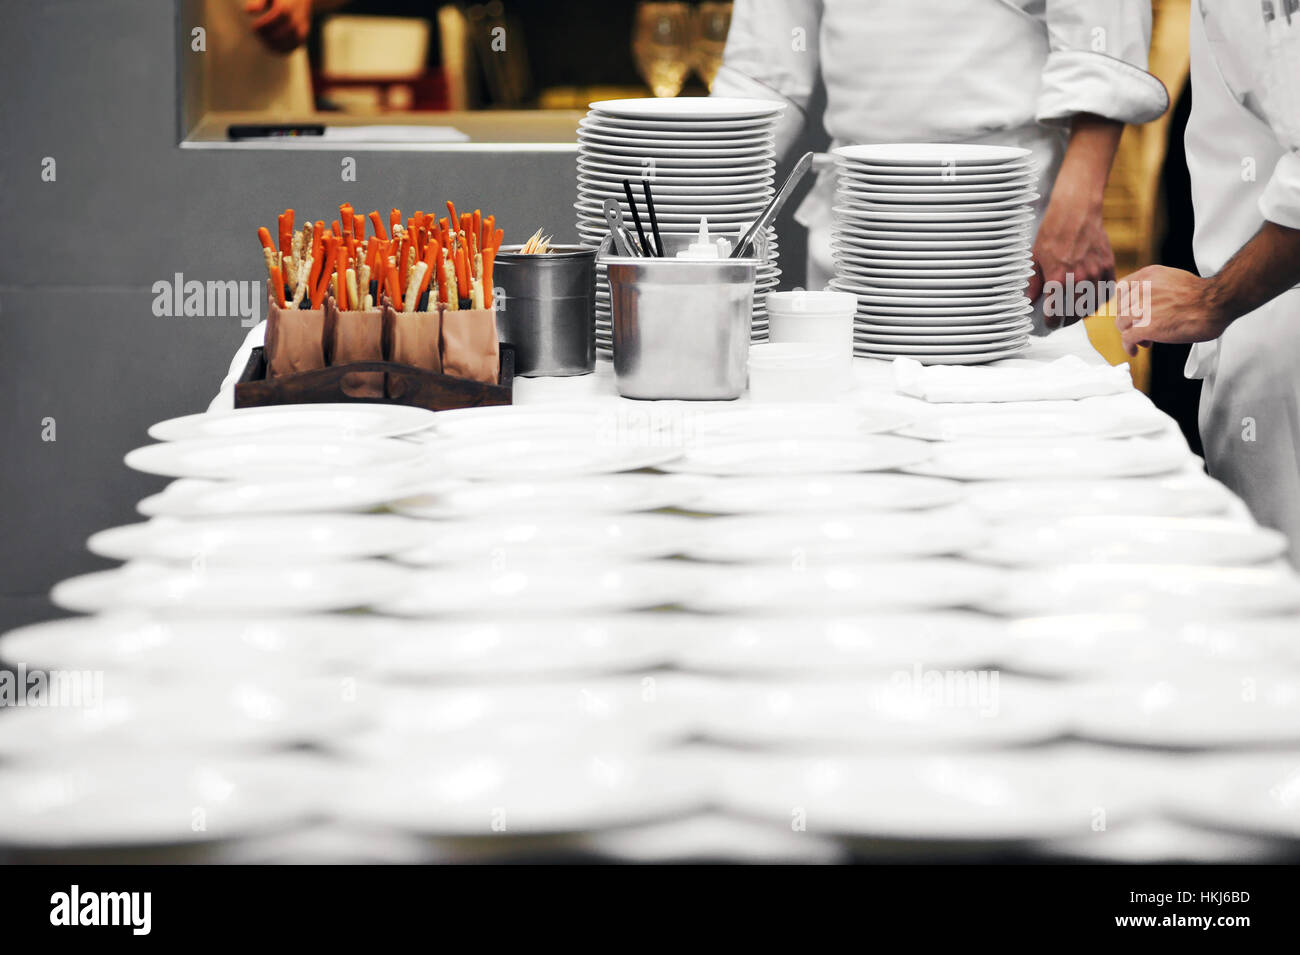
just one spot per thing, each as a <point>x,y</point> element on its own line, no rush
<point>654,220</point>
<point>636,216</point>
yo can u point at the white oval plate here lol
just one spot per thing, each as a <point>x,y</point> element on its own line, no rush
<point>958,177</point>
<point>1254,793</point>
<point>226,713</point>
<point>839,646</point>
<point>1191,708</point>
<point>930,154</point>
<point>866,186</point>
<point>598,150</point>
<point>922,348</point>
<point>232,590</point>
<point>1175,496</point>
<point>509,649</point>
<point>542,589</point>
<point>835,538</point>
<point>974,358</point>
<point>141,643</point>
<point>607,494</point>
<point>475,793</point>
<point>886,203</point>
<point>1014,215</point>
<point>674,109</point>
<point>695,168</point>
<point>870,335</point>
<point>801,456</point>
<point>529,540</point>
<point>1175,590</point>
<point>921,319</point>
<point>550,456</point>
<point>1073,459</point>
<point>848,588</point>
<point>1131,539</point>
<point>915,706</point>
<point>660,131</point>
<point>269,457</point>
<point>198,497</point>
<point>850,492</point>
<point>143,799</point>
<point>758,420</point>
<point>297,421</point>
<point>264,539</point>
<point>985,797</point>
<point>994,299</point>
<point>1014,425</point>
<point>854,259</point>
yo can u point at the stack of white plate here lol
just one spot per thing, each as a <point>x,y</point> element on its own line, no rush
<point>934,239</point>
<point>703,156</point>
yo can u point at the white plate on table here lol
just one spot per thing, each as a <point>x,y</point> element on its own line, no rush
<point>263,539</point>
<point>955,177</point>
<point>605,494</point>
<point>544,456</point>
<point>835,537</point>
<point>231,590</point>
<point>270,457</point>
<point>208,713</point>
<point>985,797</point>
<point>198,497</point>
<point>693,168</point>
<point>489,649</point>
<point>921,348</point>
<point>1119,646</point>
<point>1034,424</point>
<point>1176,590</point>
<point>503,796</point>
<point>298,421</point>
<point>1175,496</point>
<point>1191,708</point>
<point>207,645</point>
<point>928,154</point>
<point>513,420</point>
<point>685,109</point>
<point>761,419</point>
<point>668,130</point>
<point>655,152</point>
<point>972,358</point>
<point>588,201</point>
<point>821,492</point>
<point>543,589</point>
<point>838,646</point>
<point>1255,793</point>
<point>899,710</point>
<point>843,589</point>
<point>683,190</point>
<point>1061,459</point>
<point>142,800</point>
<point>801,456</point>
<point>932,343</point>
<point>512,541</point>
<point>1131,539</point>
<point>857,185</point>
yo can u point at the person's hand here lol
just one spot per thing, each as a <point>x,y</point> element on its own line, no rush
<point>281,24</point>
<point>1160,304</point>
<point>1071,240</point>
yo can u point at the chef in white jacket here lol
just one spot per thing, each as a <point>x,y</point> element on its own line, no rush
<point>1060,77</point>
<point>1243,152</point>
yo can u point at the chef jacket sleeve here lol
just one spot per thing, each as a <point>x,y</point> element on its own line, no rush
<point>772,54</point>
<point>1098,62</point>
<point>1280,202</point>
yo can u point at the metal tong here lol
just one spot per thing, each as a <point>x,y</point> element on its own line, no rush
<point>745,247</point>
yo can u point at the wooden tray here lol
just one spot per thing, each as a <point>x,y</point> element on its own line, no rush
<point>403,385</point>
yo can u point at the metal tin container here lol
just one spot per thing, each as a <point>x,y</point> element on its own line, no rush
<point>681,326</point>
<point>546,309</point>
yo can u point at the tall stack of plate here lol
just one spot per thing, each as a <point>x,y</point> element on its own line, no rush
<point>703,156</point>
<point>934,239</point>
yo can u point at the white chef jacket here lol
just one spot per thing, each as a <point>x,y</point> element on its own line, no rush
<point>1243,152</point>
<point>1011,72</point>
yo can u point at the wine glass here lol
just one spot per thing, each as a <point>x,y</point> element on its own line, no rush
<point>711,23</point>
<point>661,46</point>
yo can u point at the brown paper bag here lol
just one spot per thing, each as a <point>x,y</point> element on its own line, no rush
<point>295,340</point>
<point>356,336</point>
<point>469,344</point>
<point>413,338</point>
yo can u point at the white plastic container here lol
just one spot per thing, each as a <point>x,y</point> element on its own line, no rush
<point>795,371</point>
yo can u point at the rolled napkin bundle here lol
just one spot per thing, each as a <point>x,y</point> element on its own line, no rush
<point>356,335</point>
<point>469,344</point>
<point>413,338</point>
<point>1065,378</point>
<point>295,339</point>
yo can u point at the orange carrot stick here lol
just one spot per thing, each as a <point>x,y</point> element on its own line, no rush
<point>341,276</point>
<point>264,236</point>
<point>394,292</point>
<point>345,216</point>
<point>498,239</point>
<point>394,220</point>
<point>378,225</point>
<point>478,228</point>
<point>451,211</point>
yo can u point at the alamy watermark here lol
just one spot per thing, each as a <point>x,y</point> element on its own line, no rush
<point>178,298</point>
<point>51,688</point>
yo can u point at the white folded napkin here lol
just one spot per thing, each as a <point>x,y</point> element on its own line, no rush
<point>1069,377</point>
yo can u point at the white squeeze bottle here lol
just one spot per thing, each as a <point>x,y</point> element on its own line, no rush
<point>704,247</point>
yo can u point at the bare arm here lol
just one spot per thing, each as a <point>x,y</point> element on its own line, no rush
<point>1159,304</point>
<point>1071,239</point>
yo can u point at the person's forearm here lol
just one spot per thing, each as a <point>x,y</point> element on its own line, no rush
<point>1263,269</point>
<point>1088,158</point>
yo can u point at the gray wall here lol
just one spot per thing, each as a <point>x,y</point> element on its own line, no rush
<point>92,83</point>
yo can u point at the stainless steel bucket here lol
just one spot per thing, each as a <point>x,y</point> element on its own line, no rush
<point>681,326</point>
<point>546,308</point>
